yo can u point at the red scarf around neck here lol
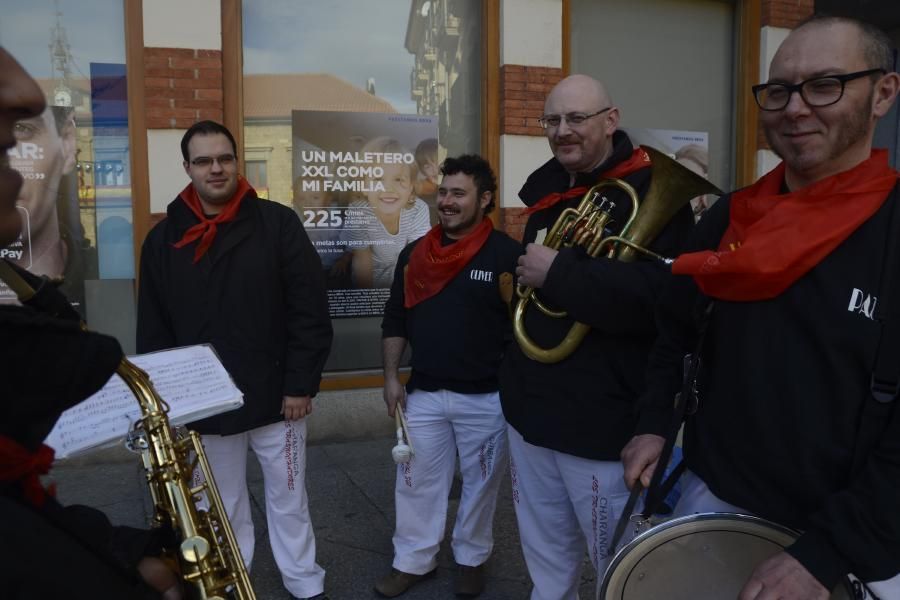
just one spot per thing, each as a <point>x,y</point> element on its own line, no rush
<point>206,229</point>
<point>19,465</point>
<point>432,266</point>
<point>774,239</point>
<point>639,159</point>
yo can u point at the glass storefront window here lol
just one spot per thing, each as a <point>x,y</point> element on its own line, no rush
<point>349,106</point>
<point>75,158</point>
<point>670,70</point>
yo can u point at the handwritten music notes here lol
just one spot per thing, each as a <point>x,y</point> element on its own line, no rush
<point>191,380</point>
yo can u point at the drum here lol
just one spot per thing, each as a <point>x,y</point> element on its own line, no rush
<point>707,556</point>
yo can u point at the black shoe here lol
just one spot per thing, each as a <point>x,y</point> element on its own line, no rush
<point>322,596</point>
<point>469,581</point>
<point>397,582</point>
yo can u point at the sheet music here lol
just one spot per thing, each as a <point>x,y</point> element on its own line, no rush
<point>191,380</point>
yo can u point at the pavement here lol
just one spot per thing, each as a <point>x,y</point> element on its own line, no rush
<point>351,498</point>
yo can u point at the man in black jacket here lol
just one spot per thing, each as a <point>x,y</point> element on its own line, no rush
<point>230,269</point>
<point>788,426</point>
<point>449,301</point>
<point>570,419</point>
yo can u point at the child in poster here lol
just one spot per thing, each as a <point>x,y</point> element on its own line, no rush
<point>397,218</point>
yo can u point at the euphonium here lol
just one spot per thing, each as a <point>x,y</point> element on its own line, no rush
<point>208,555</point>
<point>671,187</point>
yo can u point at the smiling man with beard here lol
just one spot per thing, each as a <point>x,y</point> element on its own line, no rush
<point>798,420</point>
<point>449,301</point>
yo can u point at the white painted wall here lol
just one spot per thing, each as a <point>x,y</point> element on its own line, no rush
<point>519,156</point>
<point>770,39</point>
<point>183,24</point>
<point>531,33</point>
<point>167,176</point>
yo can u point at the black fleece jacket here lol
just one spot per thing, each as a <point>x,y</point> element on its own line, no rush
<point>782,389</point>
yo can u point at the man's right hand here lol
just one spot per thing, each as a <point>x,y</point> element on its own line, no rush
<point>639,457</point>
<point>394,392</point>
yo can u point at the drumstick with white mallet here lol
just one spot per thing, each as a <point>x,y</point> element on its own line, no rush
<point>403,451</point>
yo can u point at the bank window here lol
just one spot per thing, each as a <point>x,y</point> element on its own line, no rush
<point>355,103</point>
<point>75,158</point>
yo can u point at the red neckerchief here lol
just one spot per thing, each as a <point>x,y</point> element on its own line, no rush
<point>19,465</point>
<point>206,228</point>
<point>639,159</point>
<point>432,266</point>
<point>774,239</point>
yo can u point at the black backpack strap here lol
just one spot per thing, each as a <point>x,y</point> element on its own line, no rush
<point>885,380</point>
<point>686,403</point>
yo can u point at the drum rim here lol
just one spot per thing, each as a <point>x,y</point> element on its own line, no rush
<point>679,521</point>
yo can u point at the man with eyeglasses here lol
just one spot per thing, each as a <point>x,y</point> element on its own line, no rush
<point>238,272</point>
<point>798,420</point>
<point>569,420</point>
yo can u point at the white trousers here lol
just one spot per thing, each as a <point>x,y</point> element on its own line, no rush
<point>696,497</point>
<point>281,451</point>
<point>441,424</point>
<point>562,502</point>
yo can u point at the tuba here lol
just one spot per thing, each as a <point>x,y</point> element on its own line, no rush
<point>208,555</point>
<point>671,187</point>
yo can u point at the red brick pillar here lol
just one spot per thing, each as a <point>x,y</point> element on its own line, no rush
<point>183,86</point>
<point>523,90</point>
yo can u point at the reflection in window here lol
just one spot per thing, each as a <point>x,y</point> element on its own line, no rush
<point>255,172</point>
<point>76,159</point>
<point>416,63</point>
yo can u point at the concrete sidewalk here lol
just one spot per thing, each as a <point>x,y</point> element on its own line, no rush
<point>351,499</point>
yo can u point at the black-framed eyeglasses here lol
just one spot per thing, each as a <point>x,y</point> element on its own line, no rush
<point>224,160</point>
<point>573,118</point>
<point>817,92</point>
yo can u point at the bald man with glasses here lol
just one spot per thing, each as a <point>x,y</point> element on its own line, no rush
<point>569,420</point>
<point>798,419</point>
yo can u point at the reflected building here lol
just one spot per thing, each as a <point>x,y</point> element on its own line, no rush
<point>268,103</point>
<point>445,38</point>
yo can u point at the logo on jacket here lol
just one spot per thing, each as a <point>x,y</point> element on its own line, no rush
<point>479,275</point>
<point>862,303</point>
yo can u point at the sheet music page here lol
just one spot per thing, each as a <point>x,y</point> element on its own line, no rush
<point>191,380</point>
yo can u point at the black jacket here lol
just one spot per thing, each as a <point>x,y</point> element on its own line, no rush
<point>459,335</point>
<point>584,405</point>
<point>782,388</point>
<point>258,296</point>
<point>48,365</point>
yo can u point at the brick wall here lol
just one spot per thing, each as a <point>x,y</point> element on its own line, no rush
<point>522,93</point>
<point>512,221</point>
<point>182,86</point>
<point>786,13</point>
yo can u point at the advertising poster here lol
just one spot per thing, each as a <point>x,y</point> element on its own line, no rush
<point>364,185</point>
<point>51,242</point>
<point>690,148</point>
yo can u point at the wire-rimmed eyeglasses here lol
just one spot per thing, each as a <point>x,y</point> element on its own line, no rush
<point>573,118</point>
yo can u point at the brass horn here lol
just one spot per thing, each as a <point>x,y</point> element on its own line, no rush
<point>671,186</point>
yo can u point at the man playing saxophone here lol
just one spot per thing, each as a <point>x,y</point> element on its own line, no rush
<point>568,420</point>
<point>46,366</point>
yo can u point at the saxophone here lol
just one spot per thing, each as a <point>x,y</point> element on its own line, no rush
<point>208,555</point>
